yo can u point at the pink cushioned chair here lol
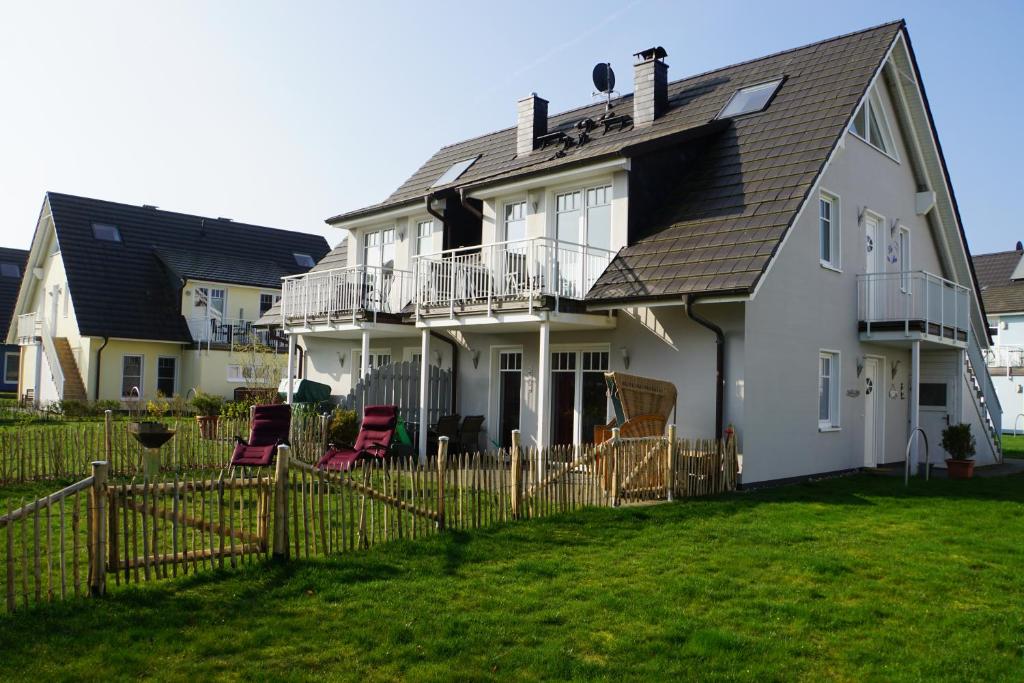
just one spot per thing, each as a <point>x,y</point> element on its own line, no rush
<point>269,430</point>
<point>373,441</point>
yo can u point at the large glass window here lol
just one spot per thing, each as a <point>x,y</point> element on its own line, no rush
<point>211,300</point>
<point>578,395</point>
<point>166,375</point>
<point>379,248</point>
<point>599,217</point>
<point>515,221</point>
<point>585,217</point>
<point>568,226</point>
<point>131,376</point>
<point>267,302</point>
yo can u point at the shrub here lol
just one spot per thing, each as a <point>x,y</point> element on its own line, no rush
<point>958,441</point>
<point>157,408</point>
<point>207,405</point>
<point>343,426</point>
<point>71,407</point>
<point>107,404</point>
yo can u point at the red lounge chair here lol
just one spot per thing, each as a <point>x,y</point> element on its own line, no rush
<point>375,434</point>
<point>268,431</point>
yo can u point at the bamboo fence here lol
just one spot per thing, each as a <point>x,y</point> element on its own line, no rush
<point>98,533</point>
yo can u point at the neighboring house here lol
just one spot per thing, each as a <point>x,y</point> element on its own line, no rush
<point>1001,276</point>
<point>12,266</point>
<point>787,222</point>
<point>123,299</point>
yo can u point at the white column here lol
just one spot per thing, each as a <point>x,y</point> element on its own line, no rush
<point>424,377</point>
<point>39,374</point>
<point>290,392</point>
<point>915,402</point>
<point>543,376</point>
<point>364,368</point>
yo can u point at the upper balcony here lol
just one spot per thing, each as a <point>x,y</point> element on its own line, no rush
<point>29,328</point>
<point>521,275</point>
<point>223,333</point>
<point>1005,357</point>
<point>912,306</point>
<point>345,296</point>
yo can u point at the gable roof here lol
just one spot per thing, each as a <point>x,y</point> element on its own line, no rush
<point>132,289</point>
<point>999,291</point>
<point>721,228</point>
<point>9,286</point>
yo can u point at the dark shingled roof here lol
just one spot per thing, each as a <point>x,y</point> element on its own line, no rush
<point>999,293</point>
<point>9,285</point>
<point>730,213</point>
<point>132,289</point>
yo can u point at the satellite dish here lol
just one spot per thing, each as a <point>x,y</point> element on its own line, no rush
<point>604,78</point>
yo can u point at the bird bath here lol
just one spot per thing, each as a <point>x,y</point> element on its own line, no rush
<point>152,435</point>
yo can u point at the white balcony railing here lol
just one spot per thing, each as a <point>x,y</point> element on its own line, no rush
<point>917,300</point>
<point>1004,356</point>
<point>232,332</point>
<point>29,328</point>
<point>340,293</point>
<point>507,271</point>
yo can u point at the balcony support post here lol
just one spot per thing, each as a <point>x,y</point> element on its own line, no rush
<point>364,363</point>
<point>543,376</point>
<point>290,394</point>
<point>421,433</point>
<point>915,398</point>
<point>39,374</point>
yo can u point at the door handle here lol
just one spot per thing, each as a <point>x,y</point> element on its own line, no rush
<point>946,418</point>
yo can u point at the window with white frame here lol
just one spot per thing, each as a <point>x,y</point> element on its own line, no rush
<point>828,230</point>
<point>12,360</point>
<point>212,301</point>
<point>828,390</point>
<point>267,302</point>
<point>515,221</point>
<point>377,359</point>
<point>585,217</point>
<point>131,376</point>
<point>903,248</point>
<point>871,125</point>
<point>424,237</point>
<point>379,248</point>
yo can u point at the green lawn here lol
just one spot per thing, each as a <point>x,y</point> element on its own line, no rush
<point>1013,446</point>
<point>847,579</point>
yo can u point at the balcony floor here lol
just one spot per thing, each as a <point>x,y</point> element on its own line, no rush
<point>478,307</point>
<point>899,331</point>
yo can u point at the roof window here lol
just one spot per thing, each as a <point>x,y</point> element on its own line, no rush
<point>751,99</point>
<point>9,270</point>
<point>304,260</point>
<point>454,171</point>
<point>106,232</point>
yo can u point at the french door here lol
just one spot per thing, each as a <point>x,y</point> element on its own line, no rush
<point>579,399</point>
<point>510,389</point>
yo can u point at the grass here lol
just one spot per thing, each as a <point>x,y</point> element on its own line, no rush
<point>847,579</point>
<point>1013,446</point>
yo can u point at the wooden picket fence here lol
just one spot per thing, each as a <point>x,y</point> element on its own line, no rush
<point>63,451</point>
<point>98,532</point>
<point>399,384</point>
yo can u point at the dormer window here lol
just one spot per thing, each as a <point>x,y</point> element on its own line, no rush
<point>750,100</point>
<point>304,260</point>
<point>10,270</point>
<point>106,232</point>
<point>871,125</point>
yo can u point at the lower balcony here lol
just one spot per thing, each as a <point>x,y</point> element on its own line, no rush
<point>224,333</point>
<point>343,298</point>
<point>522,275</point>
<point>912,306</point>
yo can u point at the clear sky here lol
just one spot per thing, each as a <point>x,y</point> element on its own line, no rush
<point>285,113</point>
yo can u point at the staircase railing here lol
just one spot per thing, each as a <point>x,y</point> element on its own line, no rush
<point>985,396</point>
<point>52,359</point>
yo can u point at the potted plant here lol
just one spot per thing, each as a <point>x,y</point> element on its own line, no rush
<point>208,413</point>
<point>958,441</point>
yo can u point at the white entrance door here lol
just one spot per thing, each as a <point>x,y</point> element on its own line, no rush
<point>874,416</point>
<point>936,409</point>
<point>874,263</point>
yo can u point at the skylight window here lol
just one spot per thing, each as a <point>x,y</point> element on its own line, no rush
<point>304,260</point>
<point>106,232</point>
<point>9,270</point>
<point>871,125</point>
<point>751,99</point>
<point>454,171</point>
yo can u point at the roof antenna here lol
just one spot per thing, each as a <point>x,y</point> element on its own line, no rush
<point>604,81</point>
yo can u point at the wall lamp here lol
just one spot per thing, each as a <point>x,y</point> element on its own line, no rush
<point>476,358</point>
<point>341,358</point>
<point>625,356</point>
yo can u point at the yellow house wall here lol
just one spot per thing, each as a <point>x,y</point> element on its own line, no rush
<point>112,364</point>
<point>240,303</point>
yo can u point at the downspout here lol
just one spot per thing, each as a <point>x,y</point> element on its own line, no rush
<point>99,358</point>
<point>455,366</point>
<point>719,361</point>
<point>469,207</point>
<point>438,216</point>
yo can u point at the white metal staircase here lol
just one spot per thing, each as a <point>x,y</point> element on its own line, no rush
<point>983,393</point>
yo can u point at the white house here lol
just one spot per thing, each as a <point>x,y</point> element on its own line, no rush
<point>778,238</point>
<point>1001,276</point>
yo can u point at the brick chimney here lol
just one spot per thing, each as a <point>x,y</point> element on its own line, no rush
<point>531,122</point>
<point>650,86</point>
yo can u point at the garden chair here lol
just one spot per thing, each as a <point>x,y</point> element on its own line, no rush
<point>447,425</point>
<point>469,433</point>
<point>373,441</point>
<point>642,406</point>
<point>269,429</point>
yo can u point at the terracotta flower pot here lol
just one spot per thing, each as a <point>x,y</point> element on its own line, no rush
<point>207,426</point>
<point>960,469</point>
